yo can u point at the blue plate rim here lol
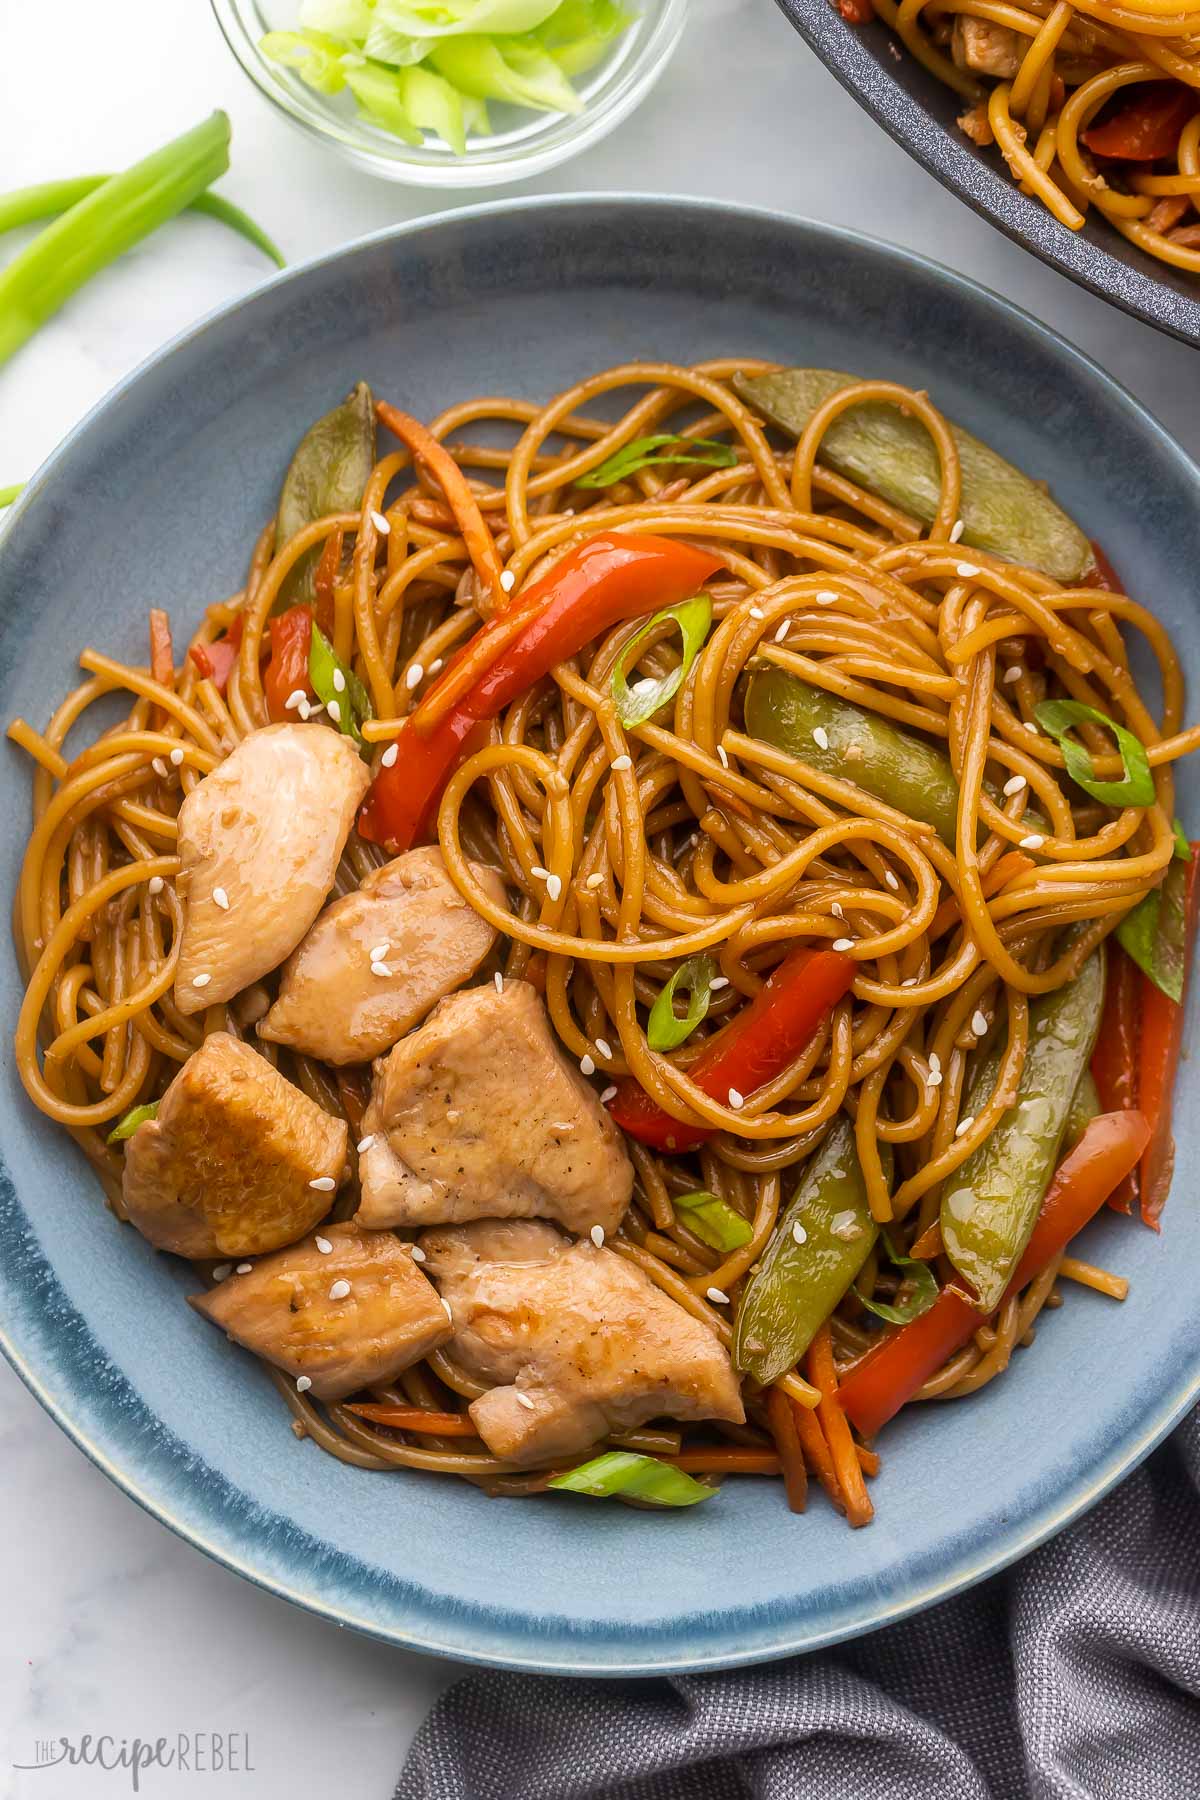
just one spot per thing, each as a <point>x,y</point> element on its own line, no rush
<point>1128,1451</point>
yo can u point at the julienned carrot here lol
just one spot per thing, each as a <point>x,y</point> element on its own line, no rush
<point>481,546</point>
<point>415,1418</point>
<point>787,1442</point>
<point>162,652</point>
<point>839,1437</point>
<point>1162,1022</point>
<point>726,1459</point>
<point>1005,869</point>
<point>816,1452</point>
<point>1115,1058</point>
<point>868,1460</point>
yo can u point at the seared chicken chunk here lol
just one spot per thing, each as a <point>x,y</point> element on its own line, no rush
<point>986,48</point>
<point>260,839</point>
<point>580,1342</point>
<point>346,1308</point>
<point>376,961</point>
<point>237,1160</point>
<point>479,1115</point>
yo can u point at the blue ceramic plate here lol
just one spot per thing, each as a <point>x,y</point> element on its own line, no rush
<point>156,499</point>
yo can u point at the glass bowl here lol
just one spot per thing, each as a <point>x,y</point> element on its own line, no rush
<point>521,143</point>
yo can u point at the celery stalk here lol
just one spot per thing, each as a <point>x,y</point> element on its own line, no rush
<point>24,206</point>
<point>96,230</point>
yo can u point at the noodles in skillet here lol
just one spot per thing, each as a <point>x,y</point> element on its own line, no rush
<point>848,833</point>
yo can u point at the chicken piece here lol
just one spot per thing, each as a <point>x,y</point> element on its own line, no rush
<point>986,48</point>
<point>237,1160</point>
<point>409,920</point>
<point>260,839</point>
<point>580,1342</point>
<point>480,1115</point>
<point>384,1319</point>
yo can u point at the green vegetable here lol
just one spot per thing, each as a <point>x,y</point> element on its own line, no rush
<point>714,1220</point>
<point>1155,932</point>
<point>665,1030</point>
<point>920,1281</point>
<point>317,59</point>
<point>457,18</point>
<point>637,704</point>
<point>892,455</point>
<point>333,682</point>
<point>642,453</point>
<point>379,94</point>
<point>50,198</point>
<point>820,1243</point>
<point>126,1126</point>
<point>328,474</point>
<point>1183,850</point>
<point>9,494</point>
<point>990,1203</point>
<point>1136,788</point>
<point>634,1478</point>
<point>578,33</point>
<point>96,230</point>
<point>513,69</point>
<point>1085,1106</point>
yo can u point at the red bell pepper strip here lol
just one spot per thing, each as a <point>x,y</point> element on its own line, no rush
<point>613,576</point>
<point>1115,1058</point>
<point>1147,126</point>
<point>213,661</point>
<point>901,1364</point>
<point>287,671</point>
<point>1161,1038</point>
<point>761,1041</point>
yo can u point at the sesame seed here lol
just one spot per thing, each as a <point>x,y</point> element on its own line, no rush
<point>553,886</point>
<point>323,1245</point>
<point>718,1296</point>
<point>524,1400</point>
<point>339,682</point>
<point>364,1143</point>
<point>159,766</point>
<point>244,1268</point>
<point>826,597</point>
<point>155,884</point>
<point>435,665</point>
<point>334,711</point>
<point>339,1290</point>
<point>1014,673</point>
<point>843,943</point>
<point>979,1023</point>
<point>610,1093</point>
<point>295,700</point>
<point>414,676</point>
<point>891,880</point>
<point>381,968</point>
<point>621,762</point>
<point>379,952</point>
<point>498,979</point>
<point>221,899</point>
<point>799,1235</point>
<point>605,1048</point>
<point>176,756</point>
<point>597,1236</point>
<point>964,1125</point>
<point>389,756</point>
<point>736,1100</point>
<point>934,1078</point>
<point>935,1061</point>
<point>508,581</point>
<point>324,1184</point>
<point>221,1271</point>
<point>644,686</point>
<point>821,738</point>
<point>1034,841</point>
<point>956,531</point>
<point>845,1224</point>
<point>201,981</point>
<point>836,910</point>
<point>909,981</point>
<point>784,628</point>
<point>717,983</point>
<point>381,524</point>
<point>586,1065</point>
<point>303,1383</point>
<point>966,570</point>
<point>538,873</point>
<point>755,612</point>
<point>1014,784</point>
<point>594,881</point>
<point>418,1255</point>
<point>1031,725</point>
<point>449,1314</point>
<point>722,756</point>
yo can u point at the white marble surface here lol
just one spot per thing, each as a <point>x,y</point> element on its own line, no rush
<point>108,1622</point>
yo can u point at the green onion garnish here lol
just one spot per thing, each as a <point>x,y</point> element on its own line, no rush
<point>635,1477</point>
<point>920,1281</point>
<point>1136,788</point>
<point>637,704</point>
<point>643,453</point>
<point>1183,850</point>
<point>665,1030</point>
<point>137,1115</point>
<point>714,1220</point>
<point>350,697</point>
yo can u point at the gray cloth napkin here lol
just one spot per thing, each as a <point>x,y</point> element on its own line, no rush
<point>1073,1676</point>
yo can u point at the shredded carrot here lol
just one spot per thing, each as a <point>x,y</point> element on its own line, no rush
<point>787,1442</point>
<point>868,1460</point>
<point>929,1244</point>
<point>816,1452</point>
<point>481,546</point>
<point>162,652</point>
<point>726,1459</point>
<point>839,1437</point>
<point>1088,1275</point>
<point>1006,869</point>
<point>415,1418</point>
<point>325,579</point>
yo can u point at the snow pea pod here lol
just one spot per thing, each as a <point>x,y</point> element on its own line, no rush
<point>820,1244</point>
<point>990,1204</point>
<point>891,454</point>
<point>1085,1106</point>
<point>328,474</point>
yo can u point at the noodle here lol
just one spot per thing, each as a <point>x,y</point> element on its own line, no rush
<point>628,849</point>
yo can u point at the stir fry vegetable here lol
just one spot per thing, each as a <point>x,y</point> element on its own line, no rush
<point>1162,1023</point>
<point>48,199</point>
<point>1114,1064</point>
<point>1158,933</point>
<point>633,1477</point>
<point>328,474</point>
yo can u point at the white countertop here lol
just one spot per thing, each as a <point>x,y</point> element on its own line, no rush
<point>109,1623</point>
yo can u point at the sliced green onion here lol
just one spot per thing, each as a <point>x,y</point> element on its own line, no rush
<point>665,1030</point>
<point>96,230</point>
<point>351,697</point>
<point>714,1220</point>
<point>137,1115</point>
<point>637,704</point>
<point>919,1279</point>
<point>1183,850</point>
<point>50,198</point>
<point>643,453</point>
<point>1136,788</point>
<point>635,1477</point>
